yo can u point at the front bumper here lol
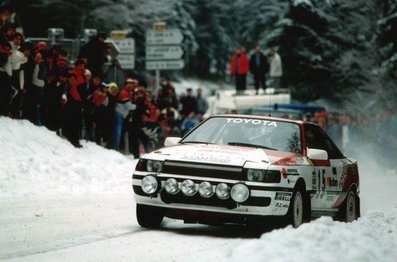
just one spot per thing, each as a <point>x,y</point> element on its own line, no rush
<point>264,200</point>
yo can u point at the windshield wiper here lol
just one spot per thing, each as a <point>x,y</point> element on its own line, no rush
<point>249,145</point>
<point>196,142</point>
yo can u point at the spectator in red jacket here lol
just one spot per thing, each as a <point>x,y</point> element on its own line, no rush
<point>239,67</point>
<point>122,109</point>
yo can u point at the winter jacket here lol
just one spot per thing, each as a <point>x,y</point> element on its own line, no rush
<point>239,62</point>
<point>276,69</point>
<point>261,68</point>
<point>123,104</point>
<point>80,80</point>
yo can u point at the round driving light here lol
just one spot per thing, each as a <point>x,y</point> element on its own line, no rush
<point>154,166</point>
<point>222,191</point>
<point>171,186</point>
<point>188,188</point>
<point>239,193</point>
<point>205,189</point>
<point>149,184</point>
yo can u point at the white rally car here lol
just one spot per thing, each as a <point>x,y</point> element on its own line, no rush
<point>242,169</point>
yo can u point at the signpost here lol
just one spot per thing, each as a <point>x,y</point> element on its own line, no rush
<point>174,64</point>
<point>163,50</point>
<point>126,48</point>
<point>165,37</point>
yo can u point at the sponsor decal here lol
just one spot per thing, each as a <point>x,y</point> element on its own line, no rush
<point>283,196</point>
<point>314,181</point>
<point>321,179</point>
<point>210,158</point>
<point>343,177</point>
<point>251,121</point>
<point>330,198</point>
<point>331,182</point>
<point>292,172</point>
<point>281,205</point>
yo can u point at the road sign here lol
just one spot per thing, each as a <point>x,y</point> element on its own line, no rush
<point>126,61</point>
<point>163,52</point>
<point>126,45</point>
<point>165,37</point>
<point>124,51</point>
<point>115,51</point>
<point>166,64</point>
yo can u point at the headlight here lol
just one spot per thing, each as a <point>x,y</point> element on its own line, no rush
<point>255,175</point>
<point>239,193</point>
<point>222,191</point>
<point>267,176</point>
<point>188,188</point>
<point>154,166</point>
<point>171,186</point>
<point>149,185</point>
<point>205,189</point>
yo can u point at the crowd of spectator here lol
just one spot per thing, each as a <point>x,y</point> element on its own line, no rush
<point>38,83</point>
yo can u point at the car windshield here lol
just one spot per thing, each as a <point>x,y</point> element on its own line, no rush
<point>250,132</point>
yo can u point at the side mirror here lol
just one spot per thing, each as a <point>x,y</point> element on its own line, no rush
<point>317,154</point>
<point>171,140</point>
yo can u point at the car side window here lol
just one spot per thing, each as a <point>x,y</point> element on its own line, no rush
<point>318,139</point>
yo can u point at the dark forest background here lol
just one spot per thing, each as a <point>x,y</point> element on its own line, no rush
<point>343,51</point>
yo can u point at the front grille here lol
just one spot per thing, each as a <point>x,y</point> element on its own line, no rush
<point>212,201</point>
<point>204,170</point>
<point>197,200</point>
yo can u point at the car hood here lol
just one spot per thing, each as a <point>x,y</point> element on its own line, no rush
<point>221,154</point>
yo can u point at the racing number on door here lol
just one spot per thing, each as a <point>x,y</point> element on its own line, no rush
<point>321,179</point>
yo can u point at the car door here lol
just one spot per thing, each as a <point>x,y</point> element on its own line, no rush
<point>327,174</point>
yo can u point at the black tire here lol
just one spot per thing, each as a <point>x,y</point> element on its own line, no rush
<point>350,209</point>
<point>297,209</point>
<point>149,216</point>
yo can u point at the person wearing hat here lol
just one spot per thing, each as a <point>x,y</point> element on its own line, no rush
<point>122,109</point>
<point>18,58</point>
<point>54,100</point>
<point>86,91</point>
<point>94,52</point>
<point>101,112</point>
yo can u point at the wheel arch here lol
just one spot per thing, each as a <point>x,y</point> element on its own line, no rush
<point>300,185</point>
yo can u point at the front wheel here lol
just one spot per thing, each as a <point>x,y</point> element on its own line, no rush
<point>296,213</point>
<point>149,216</point>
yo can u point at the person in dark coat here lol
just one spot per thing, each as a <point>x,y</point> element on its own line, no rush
<point>94,52</point>
<point>135,125</point>
<point>55,99</point>
<point>73,115</point>
<point>5,77</point>
<point>188,103</point>
<point>259,67</point>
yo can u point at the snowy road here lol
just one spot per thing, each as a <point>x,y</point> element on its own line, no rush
<point>96,228</point>
<point>87,213</point>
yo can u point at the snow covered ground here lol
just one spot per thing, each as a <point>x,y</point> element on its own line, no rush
<point>59,203</point>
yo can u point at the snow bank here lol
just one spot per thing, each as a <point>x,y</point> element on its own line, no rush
<point>36,161</point>
<point>371,238</point>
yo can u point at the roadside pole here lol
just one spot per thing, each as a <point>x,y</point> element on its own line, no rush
<point>157,84</point>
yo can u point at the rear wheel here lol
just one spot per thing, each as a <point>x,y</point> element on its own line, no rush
<point>349,211</point>
<point>149,216</point>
